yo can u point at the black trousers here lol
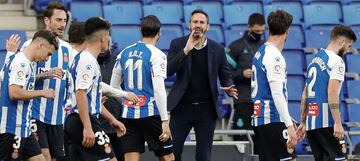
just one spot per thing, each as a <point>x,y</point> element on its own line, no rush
<point>242,118</point>
<point>201,116</point>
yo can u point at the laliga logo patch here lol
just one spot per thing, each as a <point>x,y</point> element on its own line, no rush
<point>162,66</point>
<point>20,73</point>
<point>277,68</point>
<point>107,149</point>
<point>341,70</point>
<point>85,77</point>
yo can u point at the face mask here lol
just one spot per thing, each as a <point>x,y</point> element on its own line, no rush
<point>255,36</point>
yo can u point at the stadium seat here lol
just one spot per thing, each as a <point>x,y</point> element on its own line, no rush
<point>317,37</point>
<point>294,110</point>
<point>212,8</point>
<point>168,33</point>
<point>168,12</point>
<point>2,58</point>
<point>308,58</point>
<point>233,34</point>
<point>123,36</point>
<point>295,38</point>
<point>352,62</point>
<point>5,34</point>
<point>352,14</point>
<point>40,5</point>
<point>295,62</point>
<point>356,29</point>
<point>238,13</point>
<point>314,1</point>
<point>80,10</point>
<point>353,111</point>
<point>295,86</point>
<point>350,1</point>
<point>353,87</point>
<point>292,7</point>
<point>123,13</point>
<point>322,13</point>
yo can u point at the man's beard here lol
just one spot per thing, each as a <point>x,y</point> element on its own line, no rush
<point>341,52</point>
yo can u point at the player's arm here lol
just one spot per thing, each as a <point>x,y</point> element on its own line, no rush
<point>301,131</point>
<point>116,77</point>
<point>56,72</point>
<point>83,81</point>
<point>116,124</point>
<point>12,44</point>
<point>16,92</point>
<point>109,91</point>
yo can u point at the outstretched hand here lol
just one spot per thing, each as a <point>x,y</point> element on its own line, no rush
<point>12,44</point>
<point>231,91</point>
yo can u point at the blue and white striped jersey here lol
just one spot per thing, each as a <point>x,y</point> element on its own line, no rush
<point>268,65</point>
<point>15,115</point>
<point>139,64</point>
<point>51,111</point>
<point>324,66</point>
<point>86,74</point>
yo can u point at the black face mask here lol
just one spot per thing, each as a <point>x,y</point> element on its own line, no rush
<point>255,36</point>
<point>103,57</point>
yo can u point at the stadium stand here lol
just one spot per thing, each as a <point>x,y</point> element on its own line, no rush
<point>232,12</point>
<point>322,13</point>
<point>123,13</point>
<point>80,10</point>
<point>168,12</point>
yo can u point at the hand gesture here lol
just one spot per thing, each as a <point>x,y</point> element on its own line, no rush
<point>338,131</point>
<point>292,140</point>
<point>88,137</point>
<point>48,93</point>
<point>119,128</point>
<point>104,99</point>
<point>132,97</point>
<point>55,73</point>
<point>190,44</point>
<point>12,44</point>
<point>301,131</point>
<point>247,73</point>
<point>231,91</point>
<point>166,134</point>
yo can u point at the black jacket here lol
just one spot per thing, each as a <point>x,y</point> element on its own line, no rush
<point>242,51</point>
<point>180,64</point>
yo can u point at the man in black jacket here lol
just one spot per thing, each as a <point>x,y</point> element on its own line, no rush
<point>197,62</point>
<point>242,51</point>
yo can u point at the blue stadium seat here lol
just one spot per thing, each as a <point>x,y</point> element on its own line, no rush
<point>123,36</point>
<point>168,12</point>
<point>294,110</point>
<point>123,13</point>
<point>322,13</point>
<point>234,34</point>
<point>293,7</point>
<point>5,34</point>
<point>354,110</point>
<point>40,5</point>
<point>350,1</point>
<point>168,33</point>
<point>80,10</point>
<point>2,57</point>
<point>314,1</point>
<point>356,29</point>
<point>295,38</point>
<point>352,14</point>
<point>169,81</point>
<point>353,87</point>
<point>212,8</point>
<point>317,37</point>
<point>352,62</point>
<point>308,58</point>
<point>295,86</point>
<point>238,12</point>
<point>295,62</point>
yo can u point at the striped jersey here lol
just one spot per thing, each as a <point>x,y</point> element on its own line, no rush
<point>268,65</point>
<point>86,74</point>
<point>51,111</point>
<point>139,64</point>
<point>324,66</point>
<point>15,115</point>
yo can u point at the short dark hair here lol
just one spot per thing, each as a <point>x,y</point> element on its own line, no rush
<point>77,32</point>
<point>201,12</point>
<point>342,30</point>
<point>48,36</point>
<point>256,19</point>
<point>95,24</point>
<point>49,11</point>
<point>279,22</point>
<point>150,26</point>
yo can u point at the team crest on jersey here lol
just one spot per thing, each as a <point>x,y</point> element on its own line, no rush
<point>88,67</point>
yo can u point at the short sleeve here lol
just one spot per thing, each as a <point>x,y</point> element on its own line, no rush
<point>337,71</point>
<point>19,71</point>
<point>275,66</point>
<point>159,64</point>
<point>85,73</point>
